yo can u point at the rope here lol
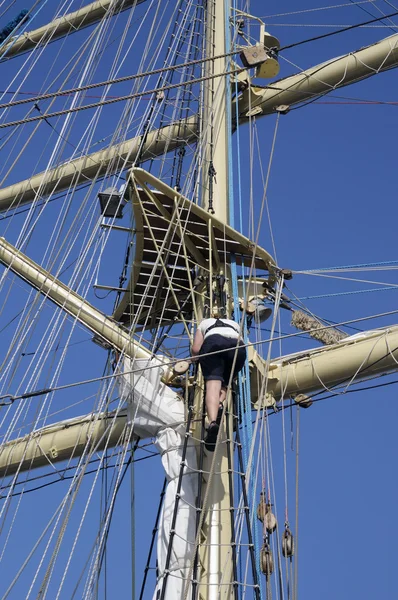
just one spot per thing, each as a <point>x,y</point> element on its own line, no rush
<point>265,183</point>
<point>380,11</point>
<point>26,18</point>
<point>211,475</point>
<point>173,86</point>
<point>393,285</point>
<point>172,532</point>
<point>243,381</point>
<point>59,113</point>
<point>38,542</point>
<point>326,35</point>
<point>295,587</point>
<point>383,289</point>
<point>347,267</point>
<point>13,398</point>
<point>300,12</point>
<point>328,25</point>
<point>116,80</point>
<point>80,269</point>
<point>248,460</point>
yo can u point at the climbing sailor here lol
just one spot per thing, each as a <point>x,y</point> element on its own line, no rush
<point>221,336</point>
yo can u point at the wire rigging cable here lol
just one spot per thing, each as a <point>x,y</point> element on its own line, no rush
<point>78,247</point>
<point>164,88</point>
<point>317,9</point>
<point>377,8</point>
<point>333,33</point>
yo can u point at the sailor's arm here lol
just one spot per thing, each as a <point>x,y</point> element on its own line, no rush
<point>197,343</point>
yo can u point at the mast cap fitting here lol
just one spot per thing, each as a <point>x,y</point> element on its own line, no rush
<point>253,56</point>
<point>283,109</point>
<point>287,274</point>
<point>269,68</point>
<point>303,400</point>
<point>271,42</point>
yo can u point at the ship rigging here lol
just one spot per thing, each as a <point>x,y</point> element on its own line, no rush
<point>126,221</point>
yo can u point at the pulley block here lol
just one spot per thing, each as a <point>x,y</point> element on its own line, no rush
<point>270,520</point>
<point>261,508</point>
<point>265,514</point>
<point>266,560</point>
<point>287,543</point>
<point>303,400</point>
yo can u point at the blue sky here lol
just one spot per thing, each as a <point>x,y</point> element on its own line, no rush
<point>333,203</point>
<point>332,200</point>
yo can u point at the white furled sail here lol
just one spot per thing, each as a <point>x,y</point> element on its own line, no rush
<point>141,192</point>
<point>152,406</point>
<point>156,410</point>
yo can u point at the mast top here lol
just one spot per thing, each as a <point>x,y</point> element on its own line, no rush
<point>163,214</point>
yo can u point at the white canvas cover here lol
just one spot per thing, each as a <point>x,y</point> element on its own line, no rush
<point>155,410</point>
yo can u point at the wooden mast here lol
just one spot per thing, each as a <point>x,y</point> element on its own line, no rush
<point>216,563</point>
